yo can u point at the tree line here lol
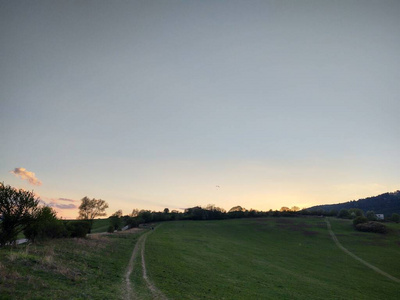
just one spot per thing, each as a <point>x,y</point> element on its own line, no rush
<point>20,212</point>
<point>386,203</point>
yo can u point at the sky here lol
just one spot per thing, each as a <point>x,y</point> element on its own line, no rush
<point>155,104</point>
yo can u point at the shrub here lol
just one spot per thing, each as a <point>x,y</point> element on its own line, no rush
<point>110,229</point>
<point>115,222</point>
<point>359,220</point>
<point>45,225</point>
<point>395,218</point>
<point>131,221</point>
<point>371,215</point>
<point>372,227</point>
<point>78,229</point>
<point>46,230</point>
<point>356,212</point>
<point>55,229</point>
<point>344,214</point>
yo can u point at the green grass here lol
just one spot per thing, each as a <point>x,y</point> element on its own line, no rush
<point>90,268</point>
<point>100,225</point>
<point>272,258</point>
<point>282,258</point>
<point>381,250</point>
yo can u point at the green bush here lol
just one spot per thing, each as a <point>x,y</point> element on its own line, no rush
<point>45,230</point>
<point>355,212</point>
<point>344,214</point>
<point>395,218</point>
<point>115,222</point>
<point>371,215</point>
<point>359,220</point>
<point>44,225</point>
<point>110,229</point>
<point>372,227</point>
<point>78,229</point>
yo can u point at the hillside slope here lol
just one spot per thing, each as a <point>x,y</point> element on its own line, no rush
<point>386,203</point>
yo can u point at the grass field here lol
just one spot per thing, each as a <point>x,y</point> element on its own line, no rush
<point>272,258</point>
<point>100,225</point>
<point>91,268</point>
<point>275,258</point>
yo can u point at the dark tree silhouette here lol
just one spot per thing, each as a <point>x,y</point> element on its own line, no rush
<point>16,209</point>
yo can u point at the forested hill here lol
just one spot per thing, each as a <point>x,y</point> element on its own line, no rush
<point>387,204</point>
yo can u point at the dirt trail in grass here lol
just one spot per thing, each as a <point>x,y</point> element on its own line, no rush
<point>334,238</point>
<point>130,290</point>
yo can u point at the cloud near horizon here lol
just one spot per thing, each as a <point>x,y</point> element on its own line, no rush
<point>26,175</point>
<point>54,203</point>
<point>66,199</point>
<point>63,206</point>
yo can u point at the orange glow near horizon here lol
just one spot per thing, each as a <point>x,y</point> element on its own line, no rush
<point>260,202</point>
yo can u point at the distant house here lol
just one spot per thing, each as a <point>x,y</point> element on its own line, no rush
<point>379,216</point>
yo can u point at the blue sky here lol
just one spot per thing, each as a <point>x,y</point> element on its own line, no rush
<point>152,104</point>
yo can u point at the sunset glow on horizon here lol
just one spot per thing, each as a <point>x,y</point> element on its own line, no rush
<point>174,104</point>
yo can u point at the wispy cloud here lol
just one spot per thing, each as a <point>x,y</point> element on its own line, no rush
<point>62,206</point>
<point>55,202</point>
<point>26,175</point>
<point>66,199</point>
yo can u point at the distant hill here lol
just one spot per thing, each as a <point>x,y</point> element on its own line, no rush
<point>387,204</point>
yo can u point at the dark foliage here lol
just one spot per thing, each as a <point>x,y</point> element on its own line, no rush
<point>198,213</point>
<point>359,220</point>
<point>344,214</point>
<point>386,203</point>
<point>16,210</point>
<point>45,225</point>
<point>372,227</point>
<point>395,218</point>
<point>78,228</point>
<point>370,215</point>
<point>115,223</point>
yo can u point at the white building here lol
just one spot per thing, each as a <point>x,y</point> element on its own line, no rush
<point>379,216</point>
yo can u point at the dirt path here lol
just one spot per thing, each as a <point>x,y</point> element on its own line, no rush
<point>129,291</point>
<point>140,250</point>
<point>334,238</point>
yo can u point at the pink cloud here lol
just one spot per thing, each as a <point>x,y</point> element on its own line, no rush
<point>63,206</point>
<point>26,175</point>
<point>66,199</point>
<point>52,202</point>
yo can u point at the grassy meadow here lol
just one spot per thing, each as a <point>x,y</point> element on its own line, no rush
<point>269,258</point>
<point>100,225</point>
<point>274,258</point>
<point>91,268</point>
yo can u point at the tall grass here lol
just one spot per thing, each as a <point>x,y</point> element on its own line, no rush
<point>91,268</point>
